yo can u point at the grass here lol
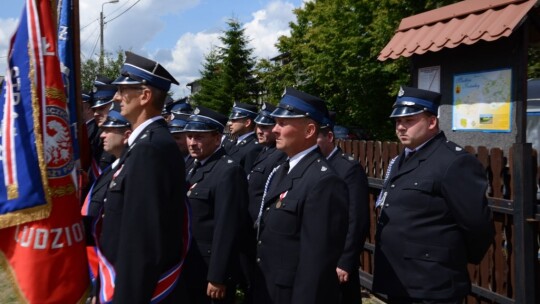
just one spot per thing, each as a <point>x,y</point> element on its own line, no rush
<point>7,294</point>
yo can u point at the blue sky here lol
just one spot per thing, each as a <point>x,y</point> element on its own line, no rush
<point>177,33</point>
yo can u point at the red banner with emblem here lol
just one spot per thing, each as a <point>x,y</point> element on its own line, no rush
<point>42,240</point>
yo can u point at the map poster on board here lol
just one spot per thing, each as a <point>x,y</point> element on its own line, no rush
<point>482,101</point>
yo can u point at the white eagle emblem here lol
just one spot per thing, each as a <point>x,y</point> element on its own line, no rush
<point>57,143</point>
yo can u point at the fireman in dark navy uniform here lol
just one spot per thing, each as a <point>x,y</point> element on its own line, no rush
<point>242,127</point>
<point>102,99</point>
<point>218,198</point>
<point>304,216</point>
<point>268,158</point>
<point>266,161</point>
<point>355,176</point>
<point>144,231</point>
<point>434,217</point>
<point>114,134</point>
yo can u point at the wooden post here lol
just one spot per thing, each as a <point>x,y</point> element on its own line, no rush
<point>524,207</point>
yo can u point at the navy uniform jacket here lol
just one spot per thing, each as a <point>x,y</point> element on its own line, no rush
<point>246,151</point>
<point>354,175</point>
<point>218,196</point>
<point>228,144</point>
<point>435,219</point>
<point>302,237</point>
<point>144,215</point>
<point>99,191</point>
<point>267,160</point>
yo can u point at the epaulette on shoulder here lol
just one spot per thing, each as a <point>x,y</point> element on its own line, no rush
<point>228,159</point>
<point>347,157</point>
<point>321,166</point>
<point>452,146</point>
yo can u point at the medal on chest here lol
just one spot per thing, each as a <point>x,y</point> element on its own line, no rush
<point>279,203</point>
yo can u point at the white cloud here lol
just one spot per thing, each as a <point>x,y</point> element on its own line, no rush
<point>133,30</point>
<point>7,28</point>
<point>137,28</point>
<point>263,31</point>
<point>187,57</point>
<point>267,26</point>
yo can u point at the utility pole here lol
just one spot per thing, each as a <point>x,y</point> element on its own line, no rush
<point>101,25</point>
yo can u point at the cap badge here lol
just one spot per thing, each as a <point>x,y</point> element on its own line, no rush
<point>234,104</point>
<point>263,106</point>
<point>459,148</point>
<point>323,168</point>
<point>229,161</point>
<point>401,92</point>
<point>196,111</point>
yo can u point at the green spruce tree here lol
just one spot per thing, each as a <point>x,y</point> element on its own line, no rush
<point>211,93</point>
<point>228,73</point>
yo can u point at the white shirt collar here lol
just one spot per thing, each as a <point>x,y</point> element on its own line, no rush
<point>140,128</point>
<point>334,152</point>
<point>115,163</point>
<point>293,161</point>
<point>242,137</point>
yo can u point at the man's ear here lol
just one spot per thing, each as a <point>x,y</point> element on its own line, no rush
<point>126,136</point>
<point>310,130</point>
<point>146,96</point>
<point>433,122</point>
<point>331,136</point>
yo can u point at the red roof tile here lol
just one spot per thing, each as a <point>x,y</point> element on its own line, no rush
<point>464,22</point>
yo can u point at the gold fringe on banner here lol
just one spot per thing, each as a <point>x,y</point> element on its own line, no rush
<point>12,191</point>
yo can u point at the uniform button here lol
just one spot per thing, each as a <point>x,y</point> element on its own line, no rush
<point>267,208</point>
<point>392,186</point>
<point>416,184</point>
<point>105,200</point>
<point>386,205</point>
<point>258,260</point>
<point>103,216</point>
<point>426,255</point>
<point>209,251</point>
<point>259,242</point>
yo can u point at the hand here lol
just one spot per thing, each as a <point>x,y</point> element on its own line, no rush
<point>343,276</point>
<point>216,291</point>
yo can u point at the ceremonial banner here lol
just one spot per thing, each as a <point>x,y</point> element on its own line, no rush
<point>65,54</point>
<point>42,245</point>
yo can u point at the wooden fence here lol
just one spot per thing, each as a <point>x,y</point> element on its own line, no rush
<point>494,278</point>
